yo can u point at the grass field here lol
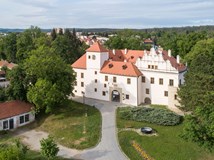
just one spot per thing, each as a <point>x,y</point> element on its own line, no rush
<point>75,125</point>
<point>168,145</point>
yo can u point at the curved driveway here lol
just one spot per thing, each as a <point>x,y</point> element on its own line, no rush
<point>108,148</point>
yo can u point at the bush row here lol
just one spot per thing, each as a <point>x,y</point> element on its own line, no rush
<point>151,115</point>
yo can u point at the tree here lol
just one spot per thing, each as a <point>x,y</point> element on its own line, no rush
<point>197,95</point>
<point>17,89</point>
<point>10,47</point>
<point>203,46</point>
<point>48,76</point>
<point>49,148</point>
<point>14,151</point>
<point>68,47</point>
<point>199,81</point>
<point>26,42</point>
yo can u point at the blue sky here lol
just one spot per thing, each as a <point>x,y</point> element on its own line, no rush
<point>105,13</point>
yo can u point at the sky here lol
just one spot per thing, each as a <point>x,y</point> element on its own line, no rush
<point>105,13</point>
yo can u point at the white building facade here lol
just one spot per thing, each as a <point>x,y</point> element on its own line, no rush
<point>14,114</point>
<point>129,76</point>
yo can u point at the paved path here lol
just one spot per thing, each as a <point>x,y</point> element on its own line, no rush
<point>32,139</point>
<point>107,149</point>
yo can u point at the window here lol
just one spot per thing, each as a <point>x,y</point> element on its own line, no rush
<point>114,79</point>
<point>166,93</point>
<point>152,80</point>
<point>5,125</point>
<point>89,57</point>
<point>95,80</point>
<point>93,57</point>
<point>95,72</point>
<point>179,81</point>
<point>106,78</point>
<point>128,81</point>
<point>149,66</point>
<point>104,93</point>
<point>127,96</point>
<point>27,119</point>
<point>171,83</point>
<point>161,81</point>
<point>82,84</point>
<point>24,119</point>
<point>152,67</point>
<point>156,67</point>
<point>75,91</point>
<point>175,97</point>
<point>105,85</point>
<point>147,91</point>
<point>143,79</point>
<point>82,75</point>
<point>21,119</point>
<point>95,89</point>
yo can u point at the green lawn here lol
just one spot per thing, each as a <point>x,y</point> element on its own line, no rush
<point>166,146</point>
<point>70,126</point>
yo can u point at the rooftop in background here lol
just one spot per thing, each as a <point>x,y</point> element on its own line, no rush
<point>97,47</point>
<point>13,108</point>
<point>7,64</point>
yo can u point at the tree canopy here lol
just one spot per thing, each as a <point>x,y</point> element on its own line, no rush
<point>197,95</point>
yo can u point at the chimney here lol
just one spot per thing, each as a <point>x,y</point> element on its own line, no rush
<point>169,53</point>
<point>126,51</point>
<point>113,51</point>
<point>178,59</point>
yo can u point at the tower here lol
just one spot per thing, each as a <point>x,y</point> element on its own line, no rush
<point>96,55</point>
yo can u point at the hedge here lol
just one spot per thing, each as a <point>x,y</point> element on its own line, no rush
<point>151,115</point>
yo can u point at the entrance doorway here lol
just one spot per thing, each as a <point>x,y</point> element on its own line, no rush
<point>11,123</point>
<point>147,100</point>
<point>115,96</point>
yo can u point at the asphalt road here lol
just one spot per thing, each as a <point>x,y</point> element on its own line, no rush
<point>108,148</point>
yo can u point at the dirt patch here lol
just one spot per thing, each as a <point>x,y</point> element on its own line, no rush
<point>77,142</point>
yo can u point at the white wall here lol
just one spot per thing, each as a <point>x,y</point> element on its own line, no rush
<point>98,61</point>
<point>17,120</point>
<point>90,85</point>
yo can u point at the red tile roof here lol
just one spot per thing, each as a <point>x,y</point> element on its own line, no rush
<point>120,68</point>
<point>97,47</point>
<point>130,56</point>
<point>7,64</point>
<point>80,63</point>
<point>13,108</point>
<point>179,66</point>
<point>122,55</point>
<point>148,41</point>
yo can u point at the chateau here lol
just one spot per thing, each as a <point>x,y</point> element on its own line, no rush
<point>129,76</point>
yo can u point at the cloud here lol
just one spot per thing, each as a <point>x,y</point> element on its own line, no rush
<point>111,13</point>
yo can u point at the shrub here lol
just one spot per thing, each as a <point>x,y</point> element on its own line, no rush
<point>14,151</point>
<point>152,115</point>
<point>49,148</point>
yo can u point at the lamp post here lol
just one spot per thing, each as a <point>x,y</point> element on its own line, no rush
<point>83,97</point>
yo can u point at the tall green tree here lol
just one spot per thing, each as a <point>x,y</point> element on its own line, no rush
<point>197,95</point>
<point>18,88</point>
<point>48,75</point>
<point>26,42</point>
<point>68,46</point>
<point>10,48</point>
